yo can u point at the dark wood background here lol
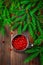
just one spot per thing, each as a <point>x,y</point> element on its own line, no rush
<point>9,57</point>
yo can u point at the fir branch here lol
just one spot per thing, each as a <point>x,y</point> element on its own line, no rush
<point>32,50</point>
<point>31,57</point>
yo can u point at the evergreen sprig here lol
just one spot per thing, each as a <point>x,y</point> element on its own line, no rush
<point>34,52</point>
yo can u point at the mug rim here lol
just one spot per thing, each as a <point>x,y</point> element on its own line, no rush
<point>26,39</point>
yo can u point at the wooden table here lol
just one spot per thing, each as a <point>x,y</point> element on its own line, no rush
<point>10,57</point>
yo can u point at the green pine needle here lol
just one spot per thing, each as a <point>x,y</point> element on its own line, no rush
<point>20,29</point>
<point>24,27</point>
<point>31,57</point>
<point>32,50</point>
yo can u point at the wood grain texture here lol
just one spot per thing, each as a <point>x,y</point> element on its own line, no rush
<point>8,57</point>
<point>4,51</point>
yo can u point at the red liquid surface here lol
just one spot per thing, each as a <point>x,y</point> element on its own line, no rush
<point>19,42</point>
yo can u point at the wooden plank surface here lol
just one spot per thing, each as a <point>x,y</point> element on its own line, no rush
<point>4,51</point>
<point>8,57</point>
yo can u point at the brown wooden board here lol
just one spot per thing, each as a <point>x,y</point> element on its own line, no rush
<point>10,57</point>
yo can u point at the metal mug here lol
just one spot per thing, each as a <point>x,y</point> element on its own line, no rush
<point>29,45</point>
